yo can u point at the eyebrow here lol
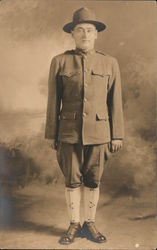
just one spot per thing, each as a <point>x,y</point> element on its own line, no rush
<point>88,28</point>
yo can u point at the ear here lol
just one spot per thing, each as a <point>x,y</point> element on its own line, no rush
<point>72,33</point>
<point>96,34</point>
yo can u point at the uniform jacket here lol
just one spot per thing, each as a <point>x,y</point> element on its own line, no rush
<point>84,98</point>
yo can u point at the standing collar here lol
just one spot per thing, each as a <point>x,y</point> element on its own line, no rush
<point>83,52</point>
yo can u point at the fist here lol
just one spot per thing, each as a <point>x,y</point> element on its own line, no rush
<point>53,144</point>
<point>116,145</point>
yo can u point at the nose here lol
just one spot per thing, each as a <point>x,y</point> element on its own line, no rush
<point>85,32</point>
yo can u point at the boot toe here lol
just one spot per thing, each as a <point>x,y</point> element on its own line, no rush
<point>90,232</point>
<point>65,240</point>
<point>101,239</point>
<point>72,232</point>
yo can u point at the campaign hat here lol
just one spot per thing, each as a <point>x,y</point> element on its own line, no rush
<point>84,15</point>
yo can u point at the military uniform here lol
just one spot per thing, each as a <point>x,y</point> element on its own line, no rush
<point>84,102</point>
<point>84,108</point>
<point>84,114</point>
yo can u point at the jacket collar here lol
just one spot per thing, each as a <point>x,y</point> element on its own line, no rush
<point>83,52</point>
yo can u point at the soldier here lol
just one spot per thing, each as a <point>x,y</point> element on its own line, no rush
<point>84,120</point>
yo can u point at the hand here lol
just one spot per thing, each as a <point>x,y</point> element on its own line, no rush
<point>116,145</point>
<point>53,144</point>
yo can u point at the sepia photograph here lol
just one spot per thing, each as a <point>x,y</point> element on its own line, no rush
<point>78,124</point>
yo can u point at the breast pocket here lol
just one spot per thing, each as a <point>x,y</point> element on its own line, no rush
<point>97,73</point>
<point>99,77</point>
<point>69,76</point>
<point>72,84</point>
<point>100,82</point>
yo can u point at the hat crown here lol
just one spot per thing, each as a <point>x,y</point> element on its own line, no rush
<point>83,14</point>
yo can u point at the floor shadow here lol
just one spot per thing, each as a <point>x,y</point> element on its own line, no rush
<point>13,208</point>
<point>10,221</point>
<point>37,227</point>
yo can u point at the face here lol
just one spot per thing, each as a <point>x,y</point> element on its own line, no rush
<point>84,35</point>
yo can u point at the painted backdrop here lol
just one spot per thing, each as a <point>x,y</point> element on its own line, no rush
<point>30,35</point>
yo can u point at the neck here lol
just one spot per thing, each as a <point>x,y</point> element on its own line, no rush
<point>85,50</point>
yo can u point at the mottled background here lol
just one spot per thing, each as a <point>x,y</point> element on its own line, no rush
<point>30,35</point>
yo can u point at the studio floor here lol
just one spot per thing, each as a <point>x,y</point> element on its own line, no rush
<point>35,217</point>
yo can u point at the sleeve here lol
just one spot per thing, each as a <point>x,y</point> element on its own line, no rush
<point>53,102</point>
<point>115,103</point>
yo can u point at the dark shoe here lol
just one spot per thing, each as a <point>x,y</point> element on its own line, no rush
<point>90,232</point>
<point>73,231</point>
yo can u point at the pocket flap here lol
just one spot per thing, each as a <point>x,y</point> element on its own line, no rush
<point>68,73</point>
<point>68,116</point>
<point>101,116</point>
<point>100,72</point>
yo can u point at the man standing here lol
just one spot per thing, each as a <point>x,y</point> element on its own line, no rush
<point>84,119</point>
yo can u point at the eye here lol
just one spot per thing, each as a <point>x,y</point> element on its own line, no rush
<point>90,30</point>
<point>79,30</point>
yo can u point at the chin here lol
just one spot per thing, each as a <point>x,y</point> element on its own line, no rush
<point>85,47</point>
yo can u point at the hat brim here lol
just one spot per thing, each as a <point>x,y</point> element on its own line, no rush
<point>70,26</point>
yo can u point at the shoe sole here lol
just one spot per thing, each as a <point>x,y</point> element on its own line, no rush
<point>89,237</point>
<point>68,243</point>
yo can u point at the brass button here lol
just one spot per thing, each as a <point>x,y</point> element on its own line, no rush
<point>85,100</point>
<point>84,114</point>
<point>85,84</point>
